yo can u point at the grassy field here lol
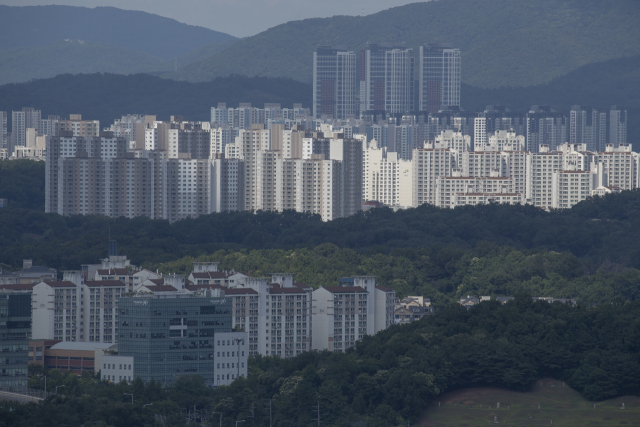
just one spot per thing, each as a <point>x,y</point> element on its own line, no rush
<point>559,406</point>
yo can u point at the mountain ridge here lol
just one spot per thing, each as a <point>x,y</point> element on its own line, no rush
<point>548,39</point>
<point>163,37</point>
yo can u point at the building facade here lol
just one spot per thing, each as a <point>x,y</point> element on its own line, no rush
<point>439,77</point>
<point>334,83</point>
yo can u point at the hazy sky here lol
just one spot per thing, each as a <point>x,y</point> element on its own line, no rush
<point>239,18</point>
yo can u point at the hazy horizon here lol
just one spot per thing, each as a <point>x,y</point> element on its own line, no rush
<point>230,16</point>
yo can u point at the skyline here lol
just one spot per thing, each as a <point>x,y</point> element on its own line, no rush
<point>232,17</point>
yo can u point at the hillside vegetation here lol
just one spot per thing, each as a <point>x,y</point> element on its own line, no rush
<point>443,274</point>
<point>503,42</point>
<point>64,56</point>
<point>386,380</point>
<point>106,97</point>
<point>137,31</point>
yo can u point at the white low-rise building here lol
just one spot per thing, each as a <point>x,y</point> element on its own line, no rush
<point>116,368</point>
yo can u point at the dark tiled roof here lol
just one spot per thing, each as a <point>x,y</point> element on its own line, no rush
<point>114,272</point>
<point>26,287</point>
<point>162,288</point>
<point>275,288</point>
<point>384,288</point>
<point>104,283</point>
<point>240,291</point>
<point>157,281</point>
<point>345,289</point>
<point>198,287</point>
<point>211,275</point>
<point>62,284</point>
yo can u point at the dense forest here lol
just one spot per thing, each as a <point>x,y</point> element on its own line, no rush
<point>597,230</point>
<point>386,380</point>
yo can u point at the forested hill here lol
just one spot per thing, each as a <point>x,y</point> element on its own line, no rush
<point>106,97</point>
<point>386,380</point>
<point>503,43</point>
<point>598,229</point>
<point>165,38</point>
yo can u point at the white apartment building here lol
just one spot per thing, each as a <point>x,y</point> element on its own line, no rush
<point>344,314</point>
<point>502,140</point>
<point>71,310</point>
<point>427,165</point>
<point>220,138</point>
<point>570,187</point>
<point>620,165</point>
<point>447,188</point>
<point>463,199</point>
<point>227,185</point>
<point>381,171</point>
<point>249,143</point>
<point>456,142</point>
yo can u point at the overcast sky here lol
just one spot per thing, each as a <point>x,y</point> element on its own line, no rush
<point>239,18</point>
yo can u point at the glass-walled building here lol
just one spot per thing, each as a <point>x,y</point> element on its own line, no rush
<point>174,336</point>
<point>15,331</point>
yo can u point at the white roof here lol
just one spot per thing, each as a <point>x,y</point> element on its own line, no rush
<point>84,346</point>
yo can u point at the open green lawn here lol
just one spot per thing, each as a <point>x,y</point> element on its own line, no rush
<point>559,406</point>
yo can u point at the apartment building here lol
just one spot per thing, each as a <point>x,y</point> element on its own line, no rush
<point>381,171</point>
<point>387,78</point>
<point>447,188</point>
<point>427,165</point>
<point>4,142</point>
<point>334,83</point>
<point>438,77</point>
<point>78,127</point>
<point>344,314</point>
<point>570,187</point>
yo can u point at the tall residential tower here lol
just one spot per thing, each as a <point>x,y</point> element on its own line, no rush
<point>439,77</point>
<point>386,78</point>
<point>334,83</point>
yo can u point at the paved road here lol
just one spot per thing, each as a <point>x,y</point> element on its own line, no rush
<point>22,398</point>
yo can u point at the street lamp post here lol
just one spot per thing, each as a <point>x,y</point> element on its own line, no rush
<point>220,417</point>
<point>59,386</point>
<point>241,421</point>
<point>130,394</point>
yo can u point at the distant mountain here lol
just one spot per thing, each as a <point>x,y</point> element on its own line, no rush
<point>105,97</point>
<point>503,42</point>
<point>64,56</point>
<point>599,85</point>
<point>188,58</point>
<point>137,31</point>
